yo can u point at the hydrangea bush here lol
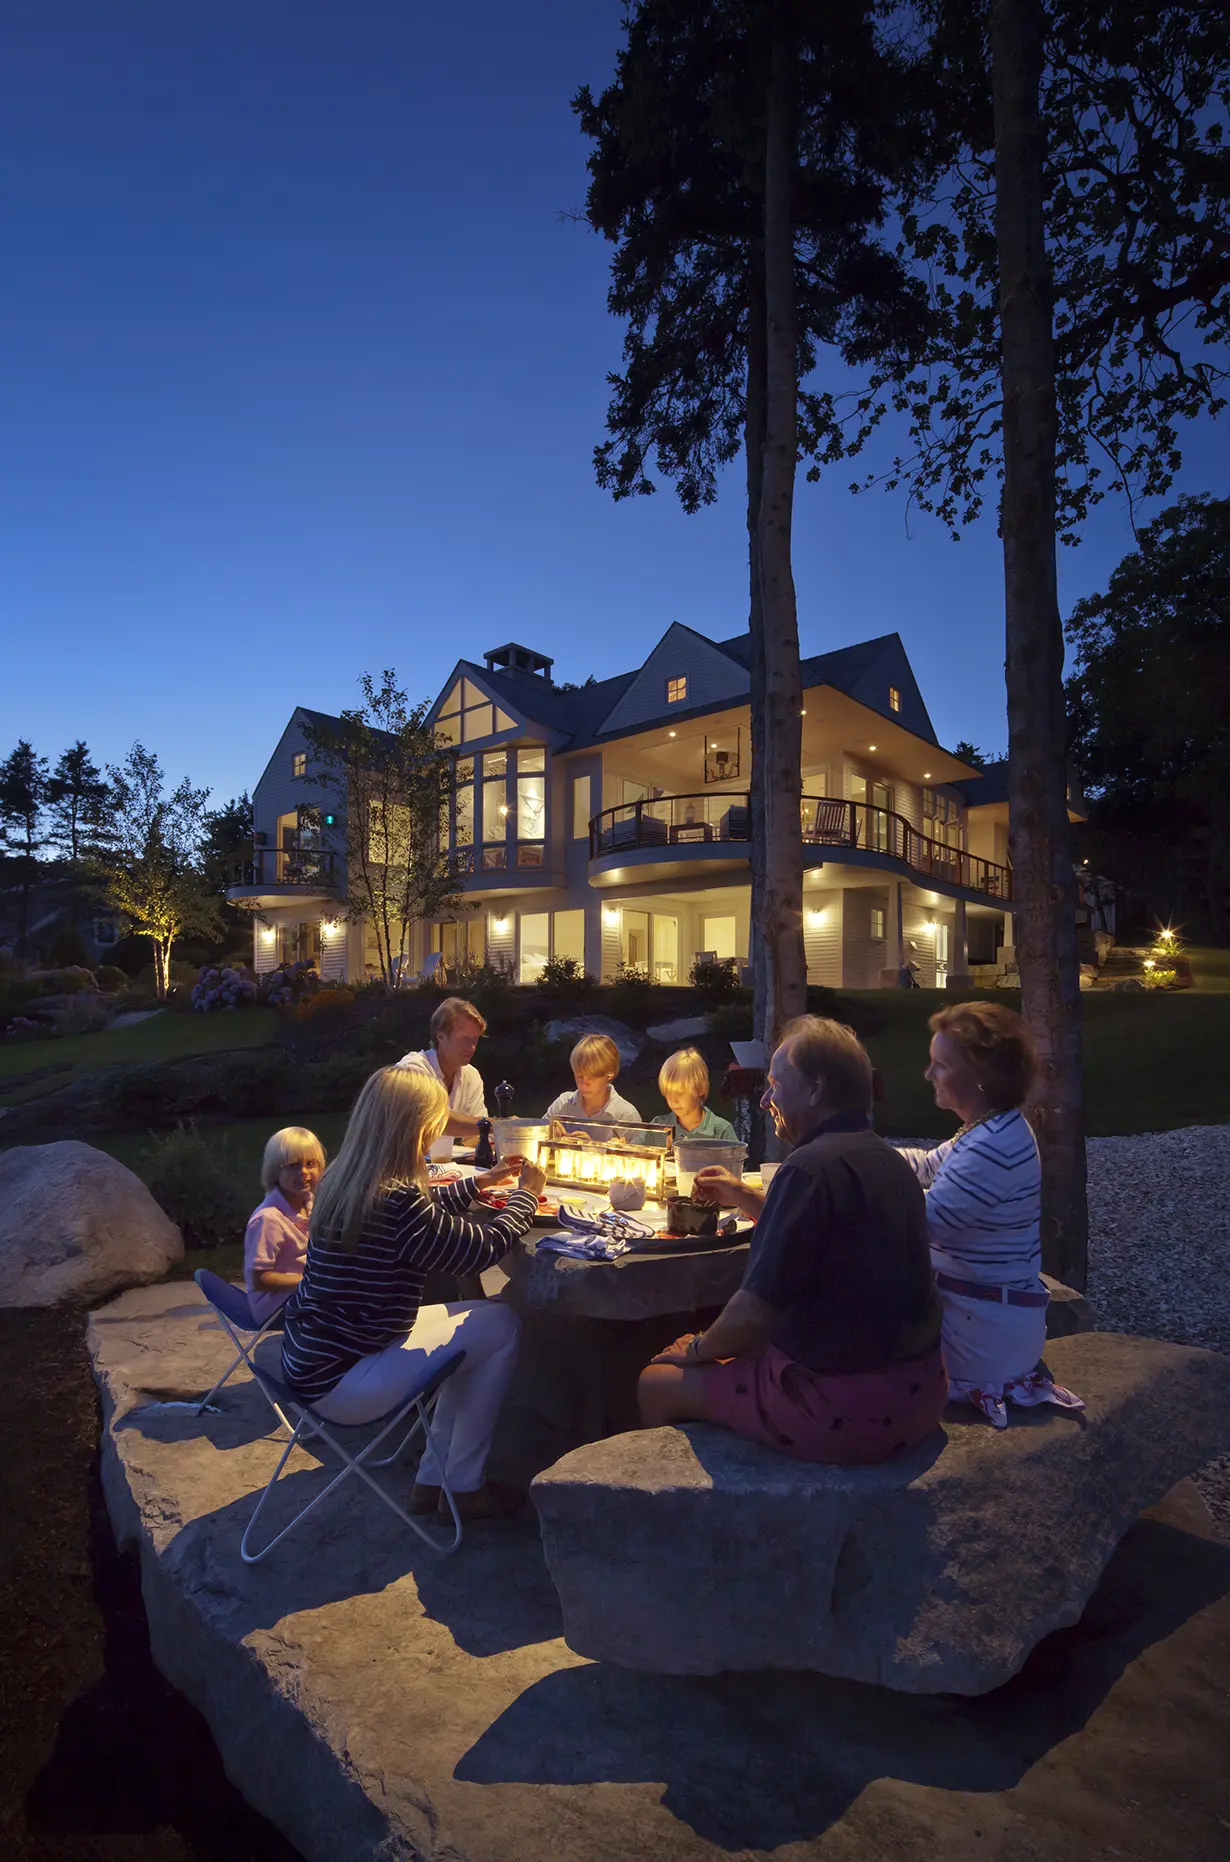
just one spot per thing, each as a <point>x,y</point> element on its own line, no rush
<point>289,983</point>
<point>229,988</point>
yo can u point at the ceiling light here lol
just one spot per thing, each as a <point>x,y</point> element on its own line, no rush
<point>926,775</point>
<point>803,713</point>
<point>672,733</point>
<point>871,746</point>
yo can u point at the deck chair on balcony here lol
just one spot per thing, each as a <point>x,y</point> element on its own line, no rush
<point>419,1405</point>
<point>246,1331</point>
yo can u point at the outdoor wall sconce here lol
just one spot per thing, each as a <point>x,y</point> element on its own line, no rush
<point>499,926</point>
<point>610,917</point>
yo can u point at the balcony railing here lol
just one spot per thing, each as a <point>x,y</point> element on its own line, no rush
<point>294,865</point>
<point>825,821</point>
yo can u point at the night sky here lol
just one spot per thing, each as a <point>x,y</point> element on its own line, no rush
<point>301,367</point>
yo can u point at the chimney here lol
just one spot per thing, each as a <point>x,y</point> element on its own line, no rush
<point>514,658</point>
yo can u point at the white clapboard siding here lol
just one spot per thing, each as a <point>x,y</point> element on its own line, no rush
<point>712,678</point>
<point>502,938</point>
<point>822,937</point>
<point>863,957</point>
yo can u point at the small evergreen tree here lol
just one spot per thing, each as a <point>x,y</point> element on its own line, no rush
<point>23,802</point>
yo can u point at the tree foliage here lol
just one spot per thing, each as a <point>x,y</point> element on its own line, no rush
<point>1134,105</point>
<point>77,796</point>
<point>393,780</point>
<point>23,802</point>
<point>1150,708</point>
<point>152,877</point>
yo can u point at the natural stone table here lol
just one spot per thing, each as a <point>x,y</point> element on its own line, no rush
<point>382,1705</point>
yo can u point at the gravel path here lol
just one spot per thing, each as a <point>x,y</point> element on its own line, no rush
<point>1159,1249</point>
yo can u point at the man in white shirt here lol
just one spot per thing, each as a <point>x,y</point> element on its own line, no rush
<point>455,1030</point>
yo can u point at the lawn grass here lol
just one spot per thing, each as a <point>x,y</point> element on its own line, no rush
<point>30,1068</point>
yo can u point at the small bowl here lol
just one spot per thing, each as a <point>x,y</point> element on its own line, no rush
<point>685,1217</point>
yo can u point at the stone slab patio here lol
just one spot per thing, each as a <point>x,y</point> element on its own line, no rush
<point>374,1702</point>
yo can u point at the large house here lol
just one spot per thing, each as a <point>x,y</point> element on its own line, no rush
<point>609,822</point>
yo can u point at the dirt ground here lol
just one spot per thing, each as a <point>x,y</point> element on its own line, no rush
<point>100,1759</point>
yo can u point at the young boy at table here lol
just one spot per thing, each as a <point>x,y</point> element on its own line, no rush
<point>684,1084</point>
<point>595,1064</point>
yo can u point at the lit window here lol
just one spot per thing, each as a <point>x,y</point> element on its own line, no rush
<point>676,691</point>
<point>894,698</point>
<point>877,921</point>
<point>298,763</point>
<point>580,807</point>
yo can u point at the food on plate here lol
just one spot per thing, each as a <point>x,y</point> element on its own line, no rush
<point>685,1217</point>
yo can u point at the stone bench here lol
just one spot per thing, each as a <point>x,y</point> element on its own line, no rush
<point>692,1551</point>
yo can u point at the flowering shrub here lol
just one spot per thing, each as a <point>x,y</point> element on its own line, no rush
<point>223,989</point>
<point>1159,979</point>
<point>289,983</point>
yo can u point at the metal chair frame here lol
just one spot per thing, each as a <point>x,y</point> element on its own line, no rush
<point>422,1400</point>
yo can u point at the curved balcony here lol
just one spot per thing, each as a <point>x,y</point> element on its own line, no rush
<point>292,874</point>
<point>681,836</point>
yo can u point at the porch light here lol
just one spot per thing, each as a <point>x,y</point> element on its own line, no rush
<point>610,917</point>
<point>926,775</point>
<point>329,928</point>
<point>871,747</point>
<point>816,916</point>
<point>499,926</point>
<point>672,733</point>
<point>268,933</point>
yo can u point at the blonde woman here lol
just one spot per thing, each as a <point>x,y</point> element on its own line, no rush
<point>684,1084</point>
<point>276,1238</point>
<point>357,1335</point>
<point>595,1064</point>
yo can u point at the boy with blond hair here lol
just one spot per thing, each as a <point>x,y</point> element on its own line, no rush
<point>684,1084</point>
<point>595,1064</point>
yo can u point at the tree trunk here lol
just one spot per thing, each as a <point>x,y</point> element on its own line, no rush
<point>753,447</point>
<point>1044,884</point>
<point>784,990</point>
<point>162,966</point>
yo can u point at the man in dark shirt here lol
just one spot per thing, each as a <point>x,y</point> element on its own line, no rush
<point>830,1349</point>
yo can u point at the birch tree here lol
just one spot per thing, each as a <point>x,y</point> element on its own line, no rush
<point>391,780</point>
<point>152,875</point>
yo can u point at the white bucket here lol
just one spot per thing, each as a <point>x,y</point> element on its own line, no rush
<point>518,1137</point>
<point>693,1154</point>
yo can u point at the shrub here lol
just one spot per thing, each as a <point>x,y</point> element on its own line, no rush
<point>731,1022</point>
<point>1160,979</point>
<point>289,982</point>
<point>326,1000</point>
<point>110,978</point>
<point>187,1176</point>
<point>27,1028</point>
<point>331,1085</point>
<point>82,1018</point>
<point>717,981</point>
<point>564,976</point>
<point>231,988</point>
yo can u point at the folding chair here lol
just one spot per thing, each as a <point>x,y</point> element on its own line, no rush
<point>232,1307</point>
<point>422,1400</point>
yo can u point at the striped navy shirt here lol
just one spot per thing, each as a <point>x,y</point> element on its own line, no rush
<point>984,1202</point>
<point>352,1304</point>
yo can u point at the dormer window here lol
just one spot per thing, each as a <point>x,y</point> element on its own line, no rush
<point>676,690</point>
<point>298,763</point>
<point>894,698</point>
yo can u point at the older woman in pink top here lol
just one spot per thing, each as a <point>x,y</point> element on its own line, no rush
<point>275,1241</point>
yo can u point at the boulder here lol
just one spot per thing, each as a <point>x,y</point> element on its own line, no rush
<point>1068,1312</point>
<point>683,1028</point>
<point>628,1043</point>
<point>77,1225</point>
<point>937,1572</point>
<point>379,1704</point>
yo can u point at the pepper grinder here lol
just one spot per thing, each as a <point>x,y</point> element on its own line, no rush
<point>503,1096</point>
<point>484,1150</point>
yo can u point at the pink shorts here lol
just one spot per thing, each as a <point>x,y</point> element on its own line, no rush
<point>853,1417</point>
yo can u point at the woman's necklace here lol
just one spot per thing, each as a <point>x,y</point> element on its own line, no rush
<point>973,1124</point>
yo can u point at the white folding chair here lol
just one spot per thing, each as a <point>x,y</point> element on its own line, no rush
<point>234,1309</point>
<point>422,1400</point>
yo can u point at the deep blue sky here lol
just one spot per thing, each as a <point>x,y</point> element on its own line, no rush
<point>300,374</point>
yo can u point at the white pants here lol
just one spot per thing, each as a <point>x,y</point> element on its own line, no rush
<point>988,1345</point>
<point>465,1416</point>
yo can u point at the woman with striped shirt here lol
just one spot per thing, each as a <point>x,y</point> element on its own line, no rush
<point>984,1205</point>
<point>357,1334</point>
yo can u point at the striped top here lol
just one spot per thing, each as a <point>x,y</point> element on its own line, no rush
<point>350,1305</point>
<point>984,1202</point>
